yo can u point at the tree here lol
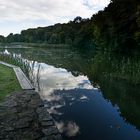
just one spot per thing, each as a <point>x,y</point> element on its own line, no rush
<point>77,20</point>
<point>2,39</point>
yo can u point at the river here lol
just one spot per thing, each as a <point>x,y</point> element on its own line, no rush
<point>91,97</point>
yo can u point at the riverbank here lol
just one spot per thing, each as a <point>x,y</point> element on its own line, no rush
<point>29,45</point>
<point>8,81</point>
<point>23,116</point>
<point>22,113</point>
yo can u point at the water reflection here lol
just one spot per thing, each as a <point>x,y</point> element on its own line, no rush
<point>69,128</point>
<point>78,108</point>
<point>81,111</point>
<point>51,78</point>
<point>6,52</point>
<point>55,86</point>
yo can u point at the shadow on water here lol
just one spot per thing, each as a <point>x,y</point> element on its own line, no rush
<point>94,97</point>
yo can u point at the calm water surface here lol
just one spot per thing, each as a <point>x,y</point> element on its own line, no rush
<point>84,104</point>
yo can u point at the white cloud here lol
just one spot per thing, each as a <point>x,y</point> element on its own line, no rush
<point>41,9</point>
<point>50,11</point>
<point>97,3</point>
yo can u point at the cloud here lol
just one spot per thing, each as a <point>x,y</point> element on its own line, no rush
<point>31,13</point>
<point>96,4</point>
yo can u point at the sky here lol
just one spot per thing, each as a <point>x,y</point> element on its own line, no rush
<point>16,15</point>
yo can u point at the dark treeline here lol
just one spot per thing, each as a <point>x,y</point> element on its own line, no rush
<point>116,28</point>
<point>68,33</point>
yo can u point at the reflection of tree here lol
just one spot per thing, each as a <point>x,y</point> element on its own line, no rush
<point>118,77</point>
<point>38,77</point>
<point>111,72</point>
<point>125,96</point>
<point>35,74</point>
<point>32,77</point>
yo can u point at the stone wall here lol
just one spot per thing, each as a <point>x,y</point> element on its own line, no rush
<point>24,117</point>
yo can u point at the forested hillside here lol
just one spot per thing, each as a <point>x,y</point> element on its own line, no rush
<point>116,28</point>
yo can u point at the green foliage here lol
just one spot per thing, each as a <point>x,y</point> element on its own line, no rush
<point>111,66</point>
<point>2,39</point>
<point>116,28</point>
<point>137,33</point>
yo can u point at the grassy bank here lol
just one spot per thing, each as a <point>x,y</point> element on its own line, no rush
<point>8,81</point>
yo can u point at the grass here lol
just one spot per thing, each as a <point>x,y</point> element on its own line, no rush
<point>8,81</point>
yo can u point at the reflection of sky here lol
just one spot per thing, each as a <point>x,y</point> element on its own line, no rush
<point>51,79</point>
<point>69,128</point>
<point>78,108</point>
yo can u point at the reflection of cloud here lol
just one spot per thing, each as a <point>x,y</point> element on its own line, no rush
<point>52,110</point>
<point>53,98</point>
<point>73,99</point>
<point>70,129</point>
<point>84,97</point>
<point>6,52</point>
<point>52,78</point>
<point>71,104</point>
<point>60,126</point>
